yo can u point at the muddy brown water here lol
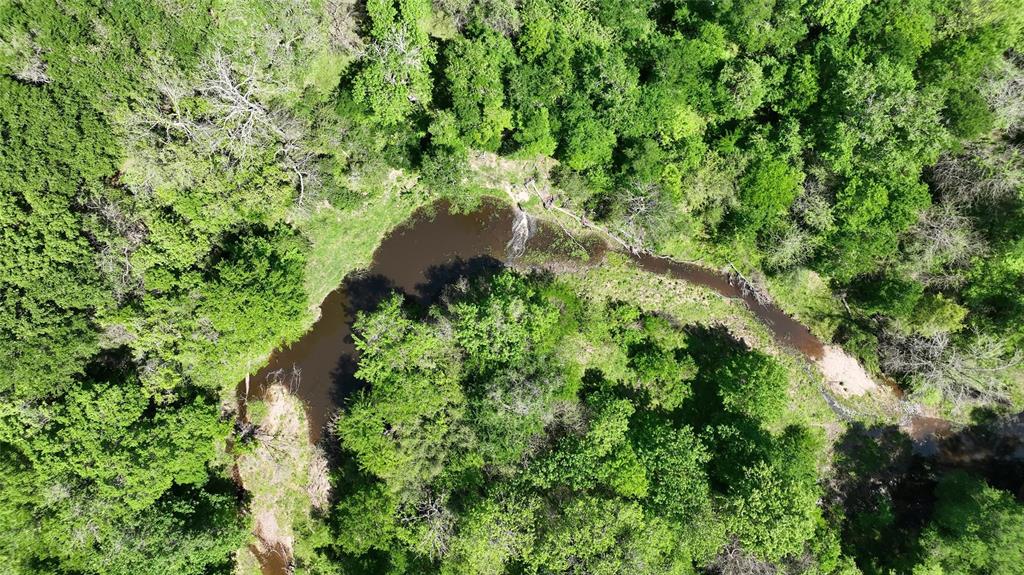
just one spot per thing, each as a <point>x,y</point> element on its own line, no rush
<point>786,330</point>
<point>415,259</point>
<point>433,249</point>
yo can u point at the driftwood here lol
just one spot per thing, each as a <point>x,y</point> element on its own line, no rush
<point>748,287</point>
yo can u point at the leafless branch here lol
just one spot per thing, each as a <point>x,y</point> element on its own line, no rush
<point>973,370</point>
<point>942,244</point>
<point>734,560</point>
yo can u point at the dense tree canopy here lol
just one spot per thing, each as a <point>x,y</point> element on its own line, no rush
<point>477,423</point>
<point>177,180</point>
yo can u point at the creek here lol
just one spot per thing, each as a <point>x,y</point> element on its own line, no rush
<point>437,247</point>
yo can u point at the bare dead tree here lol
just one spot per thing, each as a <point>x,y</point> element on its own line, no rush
<point>941,245</point>
<point>318,486</point>
<point>790,247</point>
<point>640,204</point>
<point>976,369</point>
<point>498,15</point>
<point>127,234</point>
<point>399,48</point>
<point>436,522</point>
<point>290,378</point>
<point>28,64</point>
<point>753,286</point>
<point>238,106</point>
<point>734,560</point>
<point>986,171</point>
<point>239,116</point>
<point>344,19</point>
<point>813,207</point>
<point>1003,88</point>
<point>34,69</point>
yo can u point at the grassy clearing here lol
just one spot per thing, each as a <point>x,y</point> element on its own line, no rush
<point>618,279</point>
<point>344,240</point>
<point>804,295</point>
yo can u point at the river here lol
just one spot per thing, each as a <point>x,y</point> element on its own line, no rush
<point>434,248</point>
<point>438,246</point>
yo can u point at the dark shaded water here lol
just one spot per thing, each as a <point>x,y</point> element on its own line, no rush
<point>435,248</point>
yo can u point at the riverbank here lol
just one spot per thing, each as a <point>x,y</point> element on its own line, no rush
<point>436,247</point>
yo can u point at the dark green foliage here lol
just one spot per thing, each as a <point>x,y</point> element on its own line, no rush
<point>49,281</point>
<point>926,520</point>
<point>158,159</point>
<point>96,473</point>
<point>975,529</point>
<point>141,262</point>
<point>479,449</point>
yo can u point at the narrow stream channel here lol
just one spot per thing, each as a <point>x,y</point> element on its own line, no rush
<point>435,248</point>
<point>419,258</point>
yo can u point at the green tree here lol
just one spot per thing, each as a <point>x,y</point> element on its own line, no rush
<point>754,385</point>
<point>395,79</point>
<point>414,392</point>
<point>975,529</point>
<point>474,76</point>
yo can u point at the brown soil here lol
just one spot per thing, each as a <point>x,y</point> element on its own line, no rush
<point>844,373</point>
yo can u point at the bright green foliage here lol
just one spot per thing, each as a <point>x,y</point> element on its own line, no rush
<point>394,78</point>
<point>588,143</point>
<point>474,73</point>
<point>995,290</point>
<point>741,88</point>
<point>480,449</point>
<point>657,364</point>
<point>534,133</point>
<point>414,393</point>
<point>675,458</point>
<point>936,314</point>
<point>606,536</point>
<point>495,532</point>
<point>766,193</point>
<point>975,529</point>
<point>770,514</point>
<point>773,505</point>
<point>510,326</point>
<point>753,385</point>
<point>837,15</point>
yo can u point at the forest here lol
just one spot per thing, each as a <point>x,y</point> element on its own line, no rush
<point>183,183</point>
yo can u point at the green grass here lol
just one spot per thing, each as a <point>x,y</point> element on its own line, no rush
<point>618,279</point>
<point>342,241</point>
<point>804,295</point>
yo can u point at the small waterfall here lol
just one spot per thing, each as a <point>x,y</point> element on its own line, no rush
<point>523,228</point>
